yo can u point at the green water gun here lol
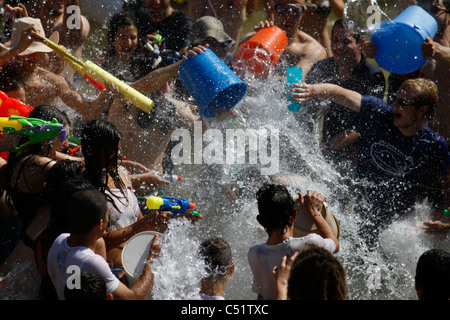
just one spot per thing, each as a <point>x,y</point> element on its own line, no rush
<point>37,130</point>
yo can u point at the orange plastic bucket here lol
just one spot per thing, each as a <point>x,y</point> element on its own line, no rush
<point>261,52</point>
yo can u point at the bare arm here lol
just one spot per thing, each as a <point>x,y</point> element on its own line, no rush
<point>155,79</point>
<point>338,7</point>
<point>432,49</point>
<point>348,98</point>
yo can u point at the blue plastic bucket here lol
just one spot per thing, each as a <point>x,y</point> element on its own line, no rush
<point>211,83</point>
<point>398,41</point>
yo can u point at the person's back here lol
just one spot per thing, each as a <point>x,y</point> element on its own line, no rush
<point>432,280</point>
<point>87,213</point>
<point>277,215</point>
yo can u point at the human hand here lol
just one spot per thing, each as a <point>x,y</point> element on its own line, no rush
<point>433,227</point>
<point>428,48</point>
<point>154,250</point>
<point>13,12</point>
<point>300,92</point>
<point>264,24</point>
<point>281,275</point>
<point>312,203</point>
<point>149,180</point>
<point>199,49</point>
<point>192,215</point>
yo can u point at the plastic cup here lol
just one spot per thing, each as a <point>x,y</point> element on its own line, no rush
<point>134,254</point>
<point>261,52</point>
<point>211,83</point>
<point>293,75</point>
<point>398,41</point>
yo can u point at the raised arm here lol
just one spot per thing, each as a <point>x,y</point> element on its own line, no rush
<point>312,204</point>
<point>348,98</point>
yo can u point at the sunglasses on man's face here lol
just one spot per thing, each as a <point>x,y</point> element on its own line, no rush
<point>404,103</point>
<point>290,9</point>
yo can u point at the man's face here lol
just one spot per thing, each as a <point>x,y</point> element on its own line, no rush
<point>344,46</point>
<point>157,8</point>
<point>287,13</point>
<point>406,113</point>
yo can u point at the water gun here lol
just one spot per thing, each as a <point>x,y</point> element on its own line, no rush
<point>170,177</point>
<point>90,70</point>
<point>175,205</point>
<point>37,130</point>
<point>10,106</point>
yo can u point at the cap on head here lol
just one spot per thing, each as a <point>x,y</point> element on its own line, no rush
<point>208,26</point>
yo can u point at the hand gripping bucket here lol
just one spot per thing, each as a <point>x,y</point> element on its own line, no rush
<point>134,255</point>
<point>261,52</point>
<point>398,41</point>
<point>211,83</point>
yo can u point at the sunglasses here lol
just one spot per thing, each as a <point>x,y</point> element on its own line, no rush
<point>404,103</point>
<point>290,9</point>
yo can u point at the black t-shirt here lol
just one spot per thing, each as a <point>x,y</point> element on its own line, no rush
<point>366,79</point>
<point>176,29</point>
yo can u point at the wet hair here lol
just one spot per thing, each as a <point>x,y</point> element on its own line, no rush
<point>10,81</point>
<point>426,93</point>
<point>275,206</point>
<point>433,274</point>
<point>100,140</point>
<point>85,209</point>
<point>218,258</point>
<point>92,287</point>
<point>317,275</point>
<point>341,22</point>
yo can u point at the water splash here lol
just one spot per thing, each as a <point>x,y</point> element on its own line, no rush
<point>364,15</point>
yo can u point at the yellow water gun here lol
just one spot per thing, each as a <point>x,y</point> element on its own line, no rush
<point>91,70</point>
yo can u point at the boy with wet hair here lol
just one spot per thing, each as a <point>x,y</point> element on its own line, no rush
<point>219,267</point>
<point>277,215</point>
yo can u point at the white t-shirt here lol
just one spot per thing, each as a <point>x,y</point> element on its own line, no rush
<point>61,256</point>
<point>262,258</point>
<point>125,210</point>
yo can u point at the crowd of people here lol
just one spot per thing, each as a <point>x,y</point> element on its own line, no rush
<point>61,208</point>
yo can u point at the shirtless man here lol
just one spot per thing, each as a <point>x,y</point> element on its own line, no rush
<point>146,137</point>
<point>315,21</point>
<point>437,67</point>
<point>302,49</point>
<point>41,85</point>
<point>55,16</point>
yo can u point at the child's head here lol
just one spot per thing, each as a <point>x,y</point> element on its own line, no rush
<point>275,206</point>
<point>218,258</point>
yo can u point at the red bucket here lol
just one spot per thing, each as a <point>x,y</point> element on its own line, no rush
<point>261,52</point>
